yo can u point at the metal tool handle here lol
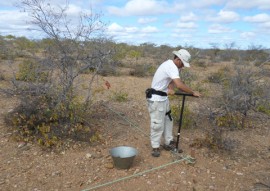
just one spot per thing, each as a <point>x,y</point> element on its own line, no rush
<point>183,93</point>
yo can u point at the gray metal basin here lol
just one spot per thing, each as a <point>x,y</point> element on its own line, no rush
<point>123,156</point>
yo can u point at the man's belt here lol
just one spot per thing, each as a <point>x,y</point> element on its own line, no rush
<point>150,91</point>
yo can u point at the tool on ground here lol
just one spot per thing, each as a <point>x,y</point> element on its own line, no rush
<point>184,94</point>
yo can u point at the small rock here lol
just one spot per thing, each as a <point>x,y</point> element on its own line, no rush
<point>57,173</point>
<point>109,166</point>
<point>88,156</point>
<point>211,187</point>
<point>239,173</point>
<point>22,144</point>
<point>136,171</point>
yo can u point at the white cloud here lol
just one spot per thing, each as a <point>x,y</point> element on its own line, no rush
<point>247,35</point>
<point>258,18</point>
<point>186,25</point>
<point>74,10</point>
<point>262,20</point>
<point>189,17</point>
<point>225,17</point>
<point>244,4</point>
<point>13,17</point>
<point>181,35</point>
<point>217,28</point>
<point>266,25</point>
<point>140,7</point>
<point>114,27</point>
<point>149,29</point>
<point>13,22</point>
<point>146,20</point>
<point>205,3</point>
<point>131,29</point>
<point>8,3</point>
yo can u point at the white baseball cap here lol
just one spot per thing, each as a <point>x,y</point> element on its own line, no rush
<point>184,56</point>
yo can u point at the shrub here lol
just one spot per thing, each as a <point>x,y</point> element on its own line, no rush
<point>31,71</point>
<point>188,77</point>
<point>107,70</point>
<point>140,70</point>
<point>221,76</point>
<point>49,111</point>
<point>37,120</point>
<point>187,119</point>
<point>234,120</point>
<point>200,63</point>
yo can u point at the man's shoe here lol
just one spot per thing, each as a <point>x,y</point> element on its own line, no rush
<point>156,152</point>
<point>171,146</point>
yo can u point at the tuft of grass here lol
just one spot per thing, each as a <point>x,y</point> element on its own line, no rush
<point>120,96</point>
<point>264,108</point>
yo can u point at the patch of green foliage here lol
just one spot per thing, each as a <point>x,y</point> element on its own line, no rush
<point>120,96</point>
<point>187,119</point>
<point>30,71</point>
<point>265,108</point>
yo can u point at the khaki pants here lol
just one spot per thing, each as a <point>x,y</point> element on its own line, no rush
<point>160,122</point>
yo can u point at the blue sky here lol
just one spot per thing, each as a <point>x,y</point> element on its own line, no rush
<point>198,23</point>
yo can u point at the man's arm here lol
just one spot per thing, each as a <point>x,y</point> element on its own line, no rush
<point>180,85</point>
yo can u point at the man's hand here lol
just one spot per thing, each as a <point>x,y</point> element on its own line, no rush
<point>197,94</point>
<point>170,92</point>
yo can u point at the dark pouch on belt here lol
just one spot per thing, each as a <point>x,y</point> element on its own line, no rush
<point>148,92</point>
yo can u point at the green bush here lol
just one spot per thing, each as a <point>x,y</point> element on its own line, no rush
<point>37,120</point>
<point>31,71</point>
<point>187,119</point>
<point>233,120</point>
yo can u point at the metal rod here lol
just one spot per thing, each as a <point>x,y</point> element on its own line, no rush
<point>180,122</point>
<point>184,94</point>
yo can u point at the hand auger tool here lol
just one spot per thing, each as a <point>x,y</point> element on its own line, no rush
<point>184,94</point>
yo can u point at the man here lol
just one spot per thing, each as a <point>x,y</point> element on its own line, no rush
<point>165,80</point>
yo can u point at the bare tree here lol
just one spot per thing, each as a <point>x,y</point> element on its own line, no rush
<point>73,47</point>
